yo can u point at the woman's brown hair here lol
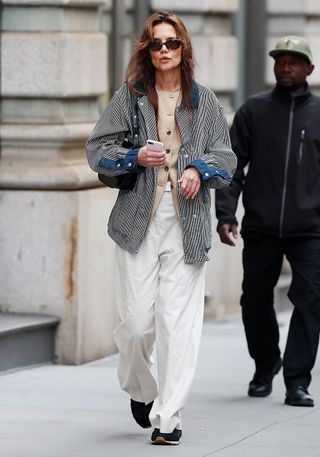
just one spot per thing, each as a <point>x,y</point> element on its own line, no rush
<point>141,68</point>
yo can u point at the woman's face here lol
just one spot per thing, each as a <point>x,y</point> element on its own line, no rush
<point>165,59</point>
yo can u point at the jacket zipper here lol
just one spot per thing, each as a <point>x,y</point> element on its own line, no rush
<point>302,135</point>
<point>284,187</point>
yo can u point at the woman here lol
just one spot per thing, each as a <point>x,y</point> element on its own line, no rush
<point>162,228</point>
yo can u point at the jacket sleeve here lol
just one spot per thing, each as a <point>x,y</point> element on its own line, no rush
<point>226,200</point>
<point>104,147</point>
<point>217,163</point>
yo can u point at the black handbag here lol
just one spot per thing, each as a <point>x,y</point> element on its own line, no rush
<point>128,180</point>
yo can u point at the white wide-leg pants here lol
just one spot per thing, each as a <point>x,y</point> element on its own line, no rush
<point>160,300</point>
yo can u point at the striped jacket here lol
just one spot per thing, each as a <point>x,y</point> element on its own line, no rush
<point>205,144</point>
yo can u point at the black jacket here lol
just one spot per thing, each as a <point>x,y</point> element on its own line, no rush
<point>278,136</point>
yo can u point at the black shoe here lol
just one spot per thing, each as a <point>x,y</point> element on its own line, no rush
<point>173,438</point>
<point>261,384</point>
<point>140,412</point>
<point>298,396</point>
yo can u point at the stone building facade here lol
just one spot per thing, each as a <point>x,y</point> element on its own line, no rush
<point>55,256</point>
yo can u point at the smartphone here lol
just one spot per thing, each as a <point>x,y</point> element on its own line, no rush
<point>153,145</point>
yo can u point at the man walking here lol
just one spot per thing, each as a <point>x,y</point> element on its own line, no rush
<point>276,135</point>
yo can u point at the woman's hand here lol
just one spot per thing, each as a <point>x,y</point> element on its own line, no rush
<point>149,159</point>
<point>190,182</point>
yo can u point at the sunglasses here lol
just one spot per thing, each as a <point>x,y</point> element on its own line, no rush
<point>171,43</point>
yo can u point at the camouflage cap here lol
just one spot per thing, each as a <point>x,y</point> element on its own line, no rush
<point>292,44</point>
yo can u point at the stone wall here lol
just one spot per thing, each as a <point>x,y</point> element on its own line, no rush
<point>55,255</point>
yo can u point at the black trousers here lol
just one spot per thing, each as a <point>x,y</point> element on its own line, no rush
<point>262,261</point>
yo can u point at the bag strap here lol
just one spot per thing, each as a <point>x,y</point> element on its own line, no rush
<point>135,119</point>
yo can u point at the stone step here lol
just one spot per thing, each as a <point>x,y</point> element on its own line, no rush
<point>26,339</point>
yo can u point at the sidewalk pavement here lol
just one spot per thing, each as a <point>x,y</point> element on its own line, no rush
<point>68,411</point>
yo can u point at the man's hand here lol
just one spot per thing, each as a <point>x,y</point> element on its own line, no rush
<point>149,159</point>
<point>224,232</point>
<point>190,182</point>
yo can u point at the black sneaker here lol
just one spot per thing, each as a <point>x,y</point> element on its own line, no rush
<point>173,438</point>
<point>140,412</point>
